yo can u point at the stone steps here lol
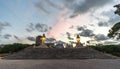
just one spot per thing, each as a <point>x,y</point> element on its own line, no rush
<point>69,53</point>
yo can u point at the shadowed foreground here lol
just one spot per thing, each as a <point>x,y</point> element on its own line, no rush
<point>70,53</point>
<point>61,64</point>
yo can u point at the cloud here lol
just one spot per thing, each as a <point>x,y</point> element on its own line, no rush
<point>111,42</point>
<point>92,25</point>
<point>83,6</point>
<point>38,27</point>
<point>16,37</point>
<point>50,40</point>
<point>112,17</point>
<point>103,24</point>
<point>31,38</point>
<point>81,28</point>
<point>71,27</point>
<point>52,4</point>
<point>41,27</point>
<point>75,7</point>
<point>7,36</point>
<point>30,27</point>
<point>40,6</point>
<point>87,33</point>
<point>69,36</point>
<point>58,28</point>
<point>3,25</point>
<point>100,37</point>
<point>84,31</point>
<point>44,4</point>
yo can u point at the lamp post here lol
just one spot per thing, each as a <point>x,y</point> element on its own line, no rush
<point>43,39</point>
<point>78,40</point>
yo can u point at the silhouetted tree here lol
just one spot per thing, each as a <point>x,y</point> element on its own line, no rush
<point>114,32</point>
<point>118,9</point>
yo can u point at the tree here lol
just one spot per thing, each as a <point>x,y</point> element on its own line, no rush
<point>118,9</point>
<point>114,32</point>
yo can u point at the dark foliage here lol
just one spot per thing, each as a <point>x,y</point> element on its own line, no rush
<point>10,48</point>
<point>111,49</point>
<point>114,31</point>
<point>118,9</point>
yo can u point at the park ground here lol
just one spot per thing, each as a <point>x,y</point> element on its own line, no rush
<point>61,64</point>
<point>64,63</point>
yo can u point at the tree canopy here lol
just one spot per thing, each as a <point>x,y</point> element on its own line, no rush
<point>114,32</point>
<point>118,9</point>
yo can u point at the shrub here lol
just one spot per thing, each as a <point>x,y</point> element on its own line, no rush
<point>111,49</point>
<point>13,47</point>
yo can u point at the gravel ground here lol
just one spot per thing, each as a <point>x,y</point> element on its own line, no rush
<point>61,64</point>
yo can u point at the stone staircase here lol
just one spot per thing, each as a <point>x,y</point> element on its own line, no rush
<point>69,53</point>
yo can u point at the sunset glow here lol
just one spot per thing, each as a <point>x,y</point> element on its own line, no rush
<point>55,19</point>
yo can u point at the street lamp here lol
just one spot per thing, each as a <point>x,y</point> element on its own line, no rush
<point>78,39</point>
<point>43,39</point>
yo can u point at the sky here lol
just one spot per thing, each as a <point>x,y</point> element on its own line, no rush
<point>22,20</point>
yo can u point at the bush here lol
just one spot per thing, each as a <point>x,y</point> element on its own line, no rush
<point>13,47</point>
<point>111,49</point>
<point>0,49</point>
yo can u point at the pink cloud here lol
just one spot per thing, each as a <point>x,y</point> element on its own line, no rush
<point>59,28</point>
<point>62,25</point>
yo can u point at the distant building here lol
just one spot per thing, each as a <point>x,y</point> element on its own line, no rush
<point>59,44</point>
<point>50,42</point>
<point>40,40</point>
